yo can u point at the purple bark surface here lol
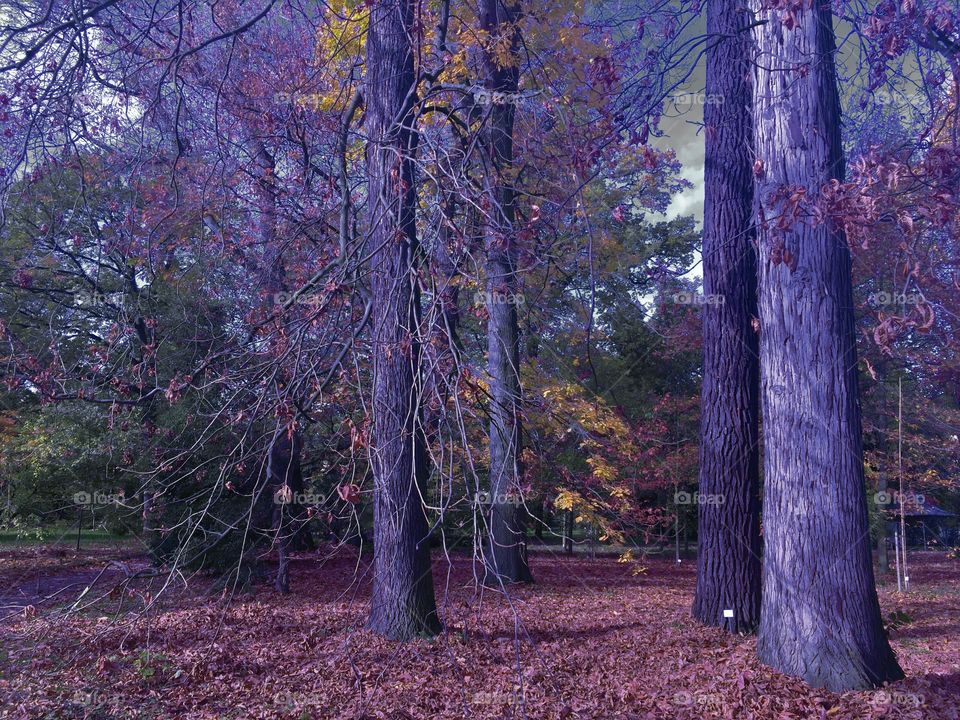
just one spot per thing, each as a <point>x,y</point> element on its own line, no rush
<point>728,554</point>
<point>820,619</point>
<point>402,603</point>
<point>506,556</point>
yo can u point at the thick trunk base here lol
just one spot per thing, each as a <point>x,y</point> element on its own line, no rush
<point>820,619</point>
<point>829,663</point>
<point>506,560</point>
<point>402,605</point>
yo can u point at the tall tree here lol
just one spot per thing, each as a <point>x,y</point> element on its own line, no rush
<point>403,604</point>
<point>282,467</point>
<point>728,557</point>
<point>820,619</point>
<point>507,557</point>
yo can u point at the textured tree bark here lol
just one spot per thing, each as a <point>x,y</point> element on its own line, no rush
<point>541,518</point>
<point>284,473</point>
<point>820,619</point>
<point>443,351</point>
<point>284,478</point>
<point>506,559</point>
<point>402,605</point>
<point>728,557</point>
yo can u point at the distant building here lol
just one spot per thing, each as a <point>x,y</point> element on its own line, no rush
<point>928,525</point>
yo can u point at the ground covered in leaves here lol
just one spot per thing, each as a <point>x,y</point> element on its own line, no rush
<point>589,640</point>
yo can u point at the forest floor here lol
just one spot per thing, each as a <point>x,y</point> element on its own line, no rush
<point>589,640</point>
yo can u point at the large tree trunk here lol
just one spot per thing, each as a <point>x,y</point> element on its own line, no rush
<point>568,532</point>
<point>506,559</point>
<point>820,619</point>
<point>728,558</point>
<point>442,353</point>
<point>284,478</point>
<point>402,605</point>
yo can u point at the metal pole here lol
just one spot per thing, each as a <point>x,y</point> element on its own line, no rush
<point>906,576</point>
<point>896,554</point>
<point>676,535</point>
<point>903,521</point>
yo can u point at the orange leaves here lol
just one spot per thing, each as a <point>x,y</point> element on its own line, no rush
<point>349,493</point>
<point>344,34</point>
<point>283,495</point>
<point>501,50</point>
<point>885,333</point>
<point>926,317</point>
<point>596,640</point>
<point>176,387</point>
<point>359,435</point>
<point>920,317</point>
<point>790,10</point>
<point>906,222</point>
<point>792,199</point>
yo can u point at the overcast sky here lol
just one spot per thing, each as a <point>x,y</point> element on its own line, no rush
<point>683,137</point>
<point>681,124</point>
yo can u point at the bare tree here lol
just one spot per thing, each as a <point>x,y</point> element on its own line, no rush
<point>403,605</point>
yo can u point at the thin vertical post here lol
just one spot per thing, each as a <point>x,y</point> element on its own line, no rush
<point>896,554</point>
<point>903,521</point>
<point>676,537</point>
